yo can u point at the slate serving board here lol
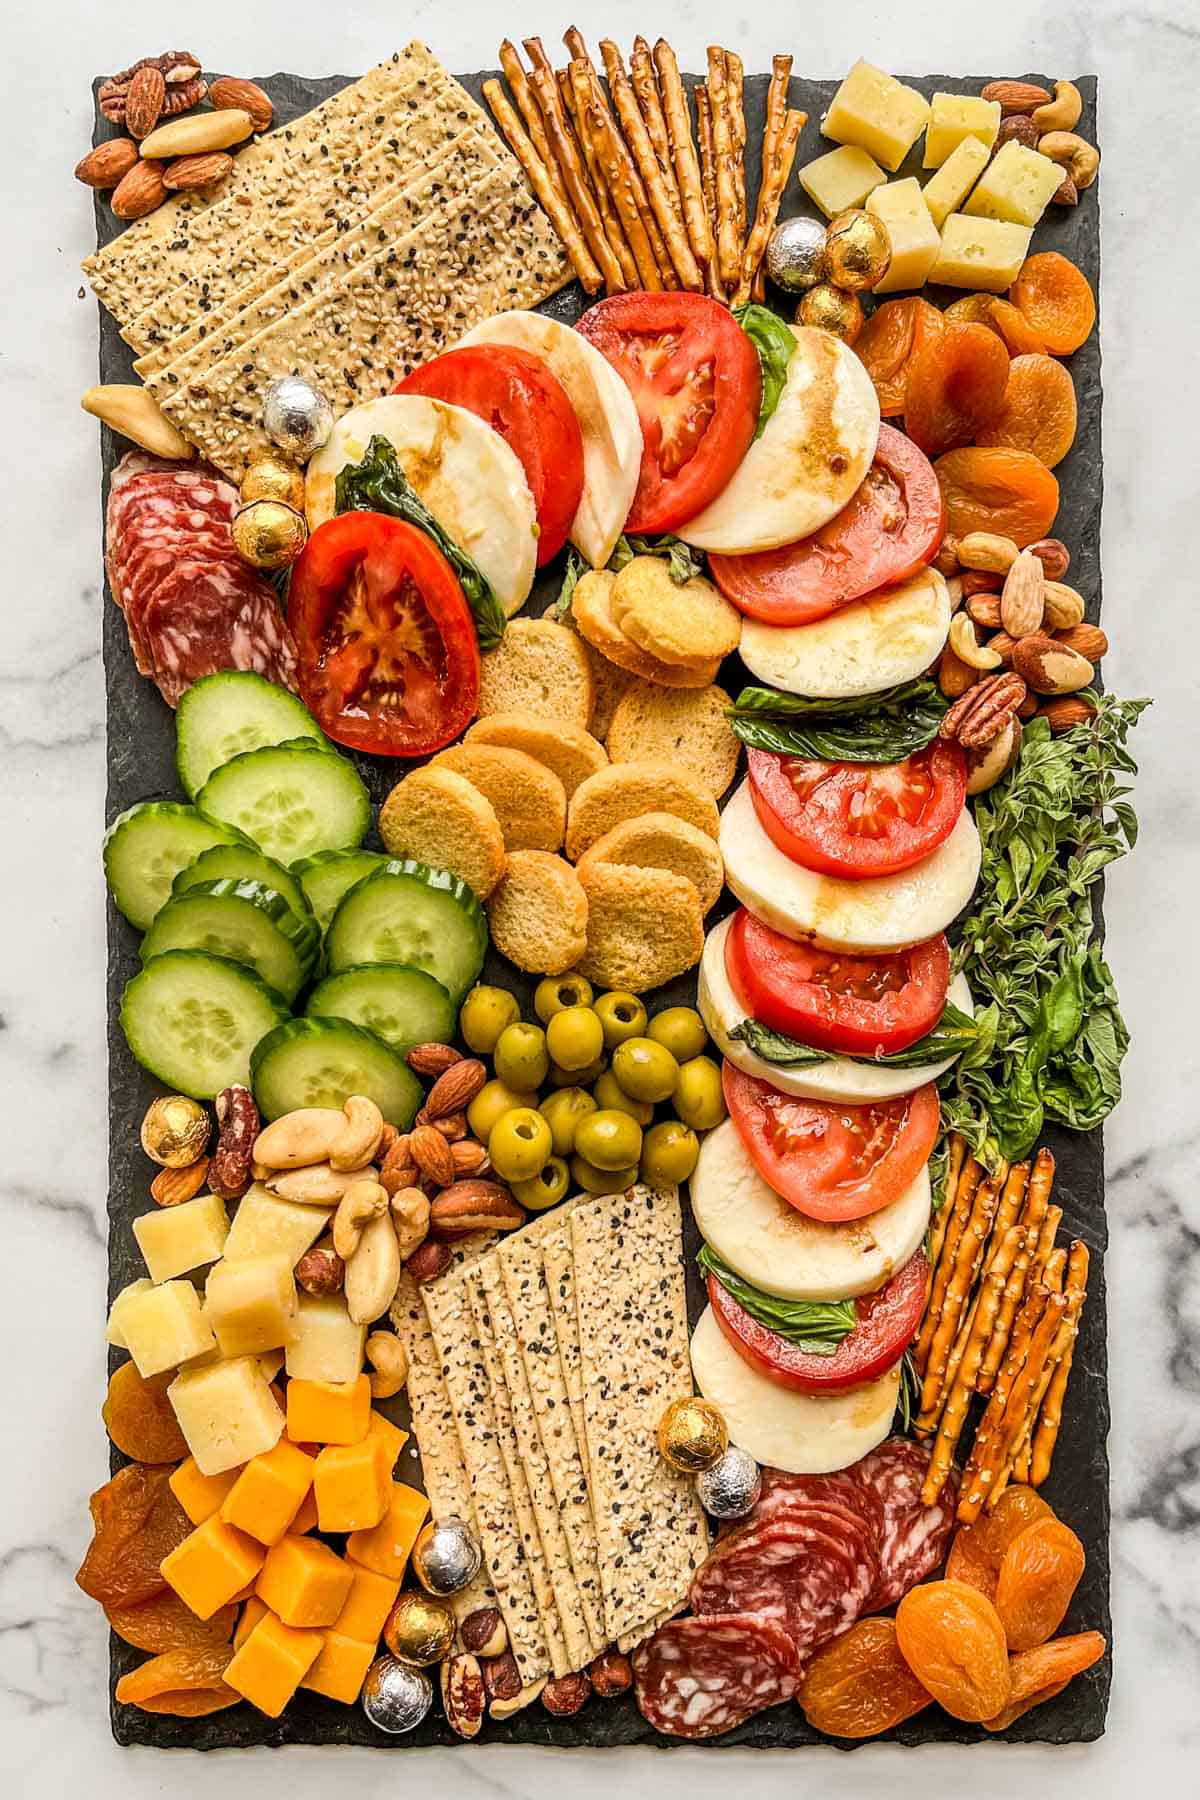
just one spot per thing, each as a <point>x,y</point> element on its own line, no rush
<point>141,766</point>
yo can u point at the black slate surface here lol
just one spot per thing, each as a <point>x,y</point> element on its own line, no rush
<point>141,766</point>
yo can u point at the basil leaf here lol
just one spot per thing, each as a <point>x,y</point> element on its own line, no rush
<point>575,570</point>
<point>816,1327</point>
<point>682,561</point>
<point>774,343</point>
<point>877,728</point>
<point>954,1032</point>
<point>379,484</point>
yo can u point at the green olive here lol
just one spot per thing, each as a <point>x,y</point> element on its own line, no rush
<point>485,1013</point>
<point>491,1103</point>
<point>645,1070</point>
<point>560,1077</point>
<point>519,1144</point>
<point>520,1057</point>
<point>601,1181</point>
<point>574,1037</point>
<point>562,1111</point>
<point>669,1153</point>
<point>546,1188</point>
<point>609,1140</point>
<point>679,1029</point>
<point>558,991</point>
<point>699,1099</point>
<point>621,1015</point>
<point>610,1095</point>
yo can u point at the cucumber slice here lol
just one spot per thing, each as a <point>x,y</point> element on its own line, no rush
<point>332,873</point>
<point>290,799</point>
<point>321,1062</point>
<point>408,913</point>
<point>242,862</point>
<point>222,716</point>
<point>145,848</point>
<point>193,1019</point>
<point>243,921</point>
<point>402,1006</point>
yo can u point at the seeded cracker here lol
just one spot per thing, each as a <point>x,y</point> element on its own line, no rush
<point>558,1259</point>
<point>633,1341</point>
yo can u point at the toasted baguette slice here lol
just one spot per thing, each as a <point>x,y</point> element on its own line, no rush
<point>645,926</point>
<point>540,669</point>
<point>679,725</point>
<point>527,798</point>
<point>624,790</point>
<point>661,841</point>
<point>441,819</point>
<point>684,623</point>
<point>538,913</point>
<point>567,750</point>
<point>610,686</point>
<point>591,608</point>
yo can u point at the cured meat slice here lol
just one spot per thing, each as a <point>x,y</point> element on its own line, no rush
<point>697,1678</point>
<point>805,1572</point>
<point>840,1493</point>
<point>206,616</point>
<point>914,1538</point>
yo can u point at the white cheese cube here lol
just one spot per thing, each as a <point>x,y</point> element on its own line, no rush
<point>227,1413</point>
<point>266,1226</point>
<point>113,1334</point>
<point>251,1304</point>
<point>177,1239</point>
<point>875,111</point>
<point>900,208</point>
<point>840,179</point>
<point>953,117</point>
<point>164,1326</point>
<point>980,253</point>
<point>947,190</point>
<point>1018,186</point>
<point>325,1344</point>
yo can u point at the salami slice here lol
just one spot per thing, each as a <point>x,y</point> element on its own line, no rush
<point>805,1572</point>
<point>914,1538</point>
<point>206,616</point>
<point>697,1678</point>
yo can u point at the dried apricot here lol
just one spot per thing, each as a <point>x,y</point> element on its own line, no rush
<point>952,1639</point>
<point>956,385</point>
<point>968,1561</point>
<point>889,339</point>
<point>1038,413</point>
<point>859,1684</point>
<point>977,1550</point>
<point>136,1521</point>
<point>1039,1572</point>
<point>1056,299</point>
<point>1014,328</point>
<point>164,1623</point>
<point>186,1683</point>
<point>987,488</point>
<point>140,1419</point>
<point>1038,1675</point>
<point>970,309</point>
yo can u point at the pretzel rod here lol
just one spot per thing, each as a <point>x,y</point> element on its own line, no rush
<point>584,206</point>
<point>777,107</point>
<point>708,183</point>
<point>555,208</point>
<point>968,1254</point>
<point>633,174</point>
<point>535,50</point>
<point>954,1413</point>
<point>1020,1458</point>
<point>576,96</point>
<point>1045,1434</point>
<point>777,166</point>
<point>1041,1256</point>
<point>645,86</point>
<point>735,78</point>
<point>531,116</point>
<point>729,248</point>
<point>943,1264</point>
<point>1004,1220</point>
<point>1055,1271</point>
<point>956,1167</point>
<point>1037,1195</point>
<point>1033,1333</point>
<point>683,152</point>
<point>617,175</point>
<point>667,215</point>
<point>956,1149</point>
<point>997,1468</point>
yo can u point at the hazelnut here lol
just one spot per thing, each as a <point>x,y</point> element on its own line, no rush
<point>321,1271</point>
<point>501,1676</point>
<point>483,1632</point>
<point>566,1694</point>
<point>428,1261</point>
<point>611,1674</point>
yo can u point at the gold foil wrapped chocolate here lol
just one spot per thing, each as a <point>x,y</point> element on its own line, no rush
<point>692,1435</point>
<point>419,1629</point>
<point>832,309</point>
<point>269,535</point>
<point>858,251</point>
<point>175,1131</point>
<point>270,476</point>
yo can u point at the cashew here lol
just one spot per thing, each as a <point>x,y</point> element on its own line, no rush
<point>1080,159</point>
<point>410,1215</point>
<point>373,1272</point>
<point>359,1139</point>
<point>1061,113</point>
<point>389,1364</point>
<point>316,1186</point>
<point>361,1202</point>
<point>299,1138</point>
<point>966,645</point>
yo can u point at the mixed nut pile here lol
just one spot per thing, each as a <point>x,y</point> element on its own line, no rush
<point>1046,123</point>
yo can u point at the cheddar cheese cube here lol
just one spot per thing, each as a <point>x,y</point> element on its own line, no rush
<point>353,1485</point>
<point>953,117</point>
<point>266,1226</point>
<point>385,1548</point>
<point>271,1663</point>
<point>251,1304</point>
<point>306,1518</point>
<point>328,1412</point>
<point>341,1668</point>
<point>254,1610</point>
<point>878,113</point>
<point>370,1601</point>
<point>391,1436</point>
<point>324,1343</point>
<point>1018,186</point>
<point>164,1326</point>
<point>228,1413</point>
<point>304,1582</point>
<point>840,179</point>
<point>200,1495</point>
<point>211,1565</point>
<point>983,254</point>
<point>900,207</point>
<point>113,1333</point>
<point>947,190</point>
<point>267,1495</point>
<point>176,1239</point>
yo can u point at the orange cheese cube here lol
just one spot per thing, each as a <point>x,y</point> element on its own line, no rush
<point>270,1665</point>
<point>267,1494</point>
<point>254,1610</point>
<point>211,1565</point>
<point>304,1582</point>
<point>306,1518</point>
<point>328,1412</point>
<point>200,1495</point>
<point>353,1484</point>
<point>385,1547</point>
<point>389,1435</point>
<point>341,1668</point>
<point>371,1600</point>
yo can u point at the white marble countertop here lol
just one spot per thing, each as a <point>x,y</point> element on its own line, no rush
<point>54,1736</point>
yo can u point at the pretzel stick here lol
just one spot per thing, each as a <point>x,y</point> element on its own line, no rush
<point>574,103</point>
<point>568,120</point>
<point>1037,1195</point>
<point>999,1464</point>
<point>1041,1256</point>
<point>777,106</point>
<point>633,175</point>
<point>531,115</point>
<point>956,1156</point>
<point>777,166</point>
<point>968,1254</point>
<point>1019,1460</point>
<point>1055,1271</point>
<point>954,1413</point>
<point>555,208</point>
<point>645,86</point>
<point>619,176</point>
<point>974,1487</point>
<point>683,152</point>
<point>943,1265</point>
<point>576,183</point>
<point>1003,1222</point>
<point>729,248</point>
<point>735,78</point>
<point>708,182</point>
<point>1045,1434</point>
<point>956,1166</point>
<point>667,214</point>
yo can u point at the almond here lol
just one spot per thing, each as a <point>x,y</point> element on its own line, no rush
<point>144,100</point>
<point>232,90</point>
<point>946,560</point>
<point>981,581</point>
<point>432,1059</point>
<point>428,1261</point>
<point>1067,194</point>
<point>140,192</point>
<point>1071,709</point>
<point>454,1091</point>
<point>1016,96</point>
<point>1003,645</point>
<point>189,172</point>
<point>474,1205</point>
<point>984,609</point>
<point>464,1697</point>
<point>431,1153</point>
<point>954,677</point>
<point>1023,599</point>
<point>105,166</point>
<point>1088,640</point>
<point>1050,667</point>
<point>470,1157</point>
<point>171,1187</point>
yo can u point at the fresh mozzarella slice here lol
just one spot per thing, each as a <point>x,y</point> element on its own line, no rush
<point>470,480</point>
<point>841,1080</point>
<point>886,912</point>
<point>815,450</point>
<point>612,435</point>
<point>803,1434</point>
<point>783,1251</point>
<point>873,644</point>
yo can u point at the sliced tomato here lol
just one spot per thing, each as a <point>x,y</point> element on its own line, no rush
<point>388,658</point>
<point>859,820</point>
<point>695,381</point>
<point>890,529</point>
<point>887,1321</point>
<point>524,401</point>
<point>852,1005</point>
<point>833,1162</point>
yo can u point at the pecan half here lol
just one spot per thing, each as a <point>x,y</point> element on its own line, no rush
<point>398,1169</point>
<point>238,1124</point>
<point>982,712</point>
